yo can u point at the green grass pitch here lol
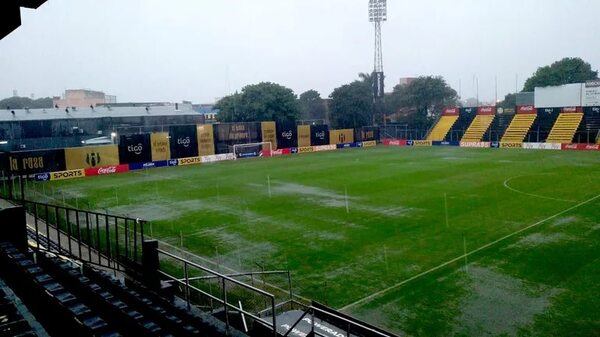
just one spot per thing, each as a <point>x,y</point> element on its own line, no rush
<point>354,225</point>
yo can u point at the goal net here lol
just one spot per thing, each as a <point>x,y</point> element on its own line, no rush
<point>262,149</point>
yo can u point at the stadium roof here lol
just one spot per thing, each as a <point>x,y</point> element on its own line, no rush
<point>99,112</point>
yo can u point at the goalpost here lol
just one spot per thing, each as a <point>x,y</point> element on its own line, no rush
<point>248,150</point>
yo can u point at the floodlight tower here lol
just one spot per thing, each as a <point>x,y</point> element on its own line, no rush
<point>377,15</point>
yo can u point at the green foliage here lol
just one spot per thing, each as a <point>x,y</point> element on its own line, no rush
<point>352,104</point>
<point>26,102</point>
<point>510,101</point>
<point>312,105</point>
<point>426,95</point>
<point>264,101</point>
<point>565,71</point>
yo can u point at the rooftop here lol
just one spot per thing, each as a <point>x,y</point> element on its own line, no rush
<point>98,112</point>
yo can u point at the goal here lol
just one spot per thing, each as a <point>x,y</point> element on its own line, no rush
<point>261,149</point>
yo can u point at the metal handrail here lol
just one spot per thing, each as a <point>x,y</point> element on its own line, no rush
<point>186,283</point>
<point>313,309</point>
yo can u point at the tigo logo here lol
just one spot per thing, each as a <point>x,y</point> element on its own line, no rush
<point>137,149</point>
<point>184,141</point>
<point>287,135</point>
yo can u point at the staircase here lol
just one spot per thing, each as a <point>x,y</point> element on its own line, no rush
<point>565,127</point>
<point>439,132</point>
<point>478,127</point>
<point>518,128</point>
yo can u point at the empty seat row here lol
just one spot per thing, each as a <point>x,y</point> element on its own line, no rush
<point>60,311</point>
<point>12,323</point>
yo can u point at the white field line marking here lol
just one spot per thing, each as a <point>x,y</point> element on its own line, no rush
<point>464,256</point>
<point>531,194</point>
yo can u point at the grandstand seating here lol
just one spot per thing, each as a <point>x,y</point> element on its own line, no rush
<point>69,299</point>
<point>440,130</point>
<point>542,125</point>
<point>478,127</point>
<point>12,322</point>
<point>589,129</point>
<point>460,126</point>
<point>498,127</point>
<point>518,128</point>
<point>565,127</point>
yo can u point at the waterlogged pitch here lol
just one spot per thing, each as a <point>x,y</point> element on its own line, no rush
<point>382,232</point>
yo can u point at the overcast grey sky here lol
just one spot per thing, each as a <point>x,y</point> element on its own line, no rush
<point>156,50</point>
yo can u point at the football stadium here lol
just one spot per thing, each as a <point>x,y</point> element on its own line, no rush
<point>150,219</point>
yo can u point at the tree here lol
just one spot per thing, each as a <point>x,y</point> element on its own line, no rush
<point>510,101</point>
<point>311,105</point>
<point>565,71</point>
<point>264,101</point>
<point>26,102</point>
<point>427,96</point>
<point>352,105</point>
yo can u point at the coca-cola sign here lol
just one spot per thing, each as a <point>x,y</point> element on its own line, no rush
<point>104,170</point>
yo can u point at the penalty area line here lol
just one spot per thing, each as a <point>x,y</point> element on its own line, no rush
<point>463,256</point>
<point>531,194</point>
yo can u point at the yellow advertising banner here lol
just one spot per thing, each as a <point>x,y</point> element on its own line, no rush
<point>206,140</point>
<point>306,149</point>
<point>369,143</point>
<point>91,156</point>
<point>189,161</point>
<point>269,134</point>
<point>63,175</point>
<point>511,145</point>
<point>342,136</point>
<point>422,143</point>
<point>303,135</point>
<point>161,149</point>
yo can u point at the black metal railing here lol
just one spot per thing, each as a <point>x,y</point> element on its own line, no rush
<point>101,239</point>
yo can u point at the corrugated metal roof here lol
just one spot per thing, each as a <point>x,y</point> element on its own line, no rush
<point>99,112</point>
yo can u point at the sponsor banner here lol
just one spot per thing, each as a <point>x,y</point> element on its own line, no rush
<point>40,161</point>
<point>507,111</point>
<point>343,136</point>
<point>269,133</point>
<point>486,110</point>
<point>370,143</point>
<point>421,143</point>
<point>305,149</point>
<point>135,149</point>
<point>217,157</point>
<point>510,145</point>
<point>294,150</point>
<point>189,161</point>
<point>548,111</point>
<point>41,176</point>
<point>95,171</point>
<point>367,133</point>
<point>152,164</point>
<point>206,139</point>
<point>287,135</point>
<point>69,174</point>
<point>572,109</point>
<point>475,144</point>
<point>347,145</point>
<point>320,148</point>
<point>319,135</point>
<point>450,112</point>
<point>184,141</point>
<point>436,143</point>
<point>161,149</point>
<point>91,156</point>
<point>581,147</point>
<point>303,135</point>
<point>591,93</point>
<point>392,142</point>
<point>237,133</point>
<point>172,162</point>
<point>278,152</point>
<point>527,110</point>
<point>542,146</point>
<point>468,111</point>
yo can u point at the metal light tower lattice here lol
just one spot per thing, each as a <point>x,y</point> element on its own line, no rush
<point>377,15</point>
